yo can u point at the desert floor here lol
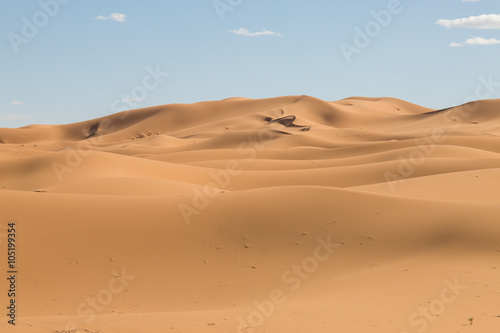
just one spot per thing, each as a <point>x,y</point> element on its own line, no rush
<point>289,214</point>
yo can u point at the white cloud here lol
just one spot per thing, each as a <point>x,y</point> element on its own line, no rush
<point>486,21</point>
<point>247,33</point>
<point>477,41</point>
<point>13,117</point>
<point>16,103</point>
<point>482,41</point>
<point>117,17</point>
<point>470,0</point>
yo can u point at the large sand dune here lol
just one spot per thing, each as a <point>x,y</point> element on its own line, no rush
<point>287,214</point>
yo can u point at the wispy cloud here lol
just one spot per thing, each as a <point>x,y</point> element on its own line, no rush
<point>117,17</point>
<point>247,33</point>
<point>477,41</point>
<point>470,0</point>
<point>13,117</point>
<point>16,103</point>
<point>486,21</point>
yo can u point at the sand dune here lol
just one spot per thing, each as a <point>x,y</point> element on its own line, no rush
<point>287,214</point>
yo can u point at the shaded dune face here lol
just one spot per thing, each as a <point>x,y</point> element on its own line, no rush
<point>208,208</point>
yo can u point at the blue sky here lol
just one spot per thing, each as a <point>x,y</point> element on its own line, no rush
<point>88,58</point>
